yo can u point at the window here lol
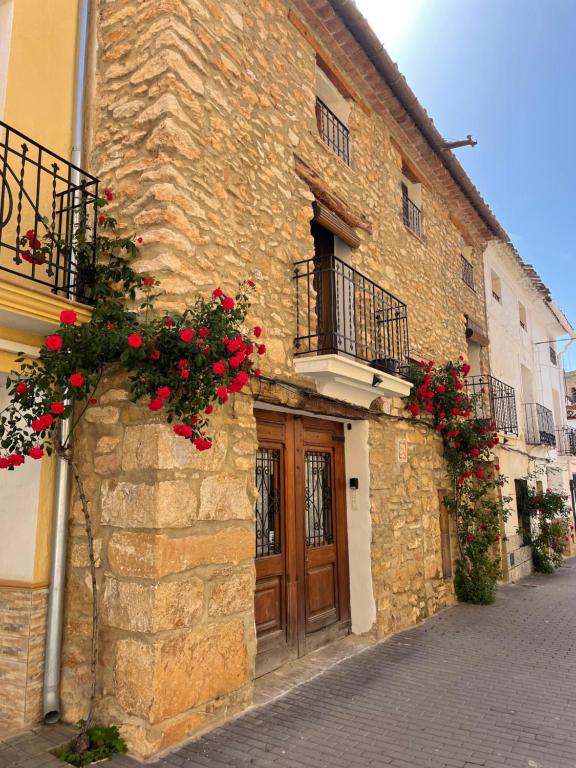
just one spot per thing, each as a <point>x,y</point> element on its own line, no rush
<point>496,287</point>
<point>332,113</point>
<point>411,202</point>
<point>522,313</point>
<point>467,272</point>
<point>524,530</point>
<point>445,542</point>
<point>553,356</point>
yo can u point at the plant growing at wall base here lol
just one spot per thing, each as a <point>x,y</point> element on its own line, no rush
<point>476,503</point>
<point>103,742</point>
<point>181,365</point>
<point>550,531</point>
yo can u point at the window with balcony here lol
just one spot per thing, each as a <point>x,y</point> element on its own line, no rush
<point>332,114</point>
<point>523,317</point>
<point>496,287</point>
<point>467,272</point>
<point>494,400</point>
<point>411,202</point>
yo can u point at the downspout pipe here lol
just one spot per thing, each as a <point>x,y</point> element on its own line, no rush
<point>55,617</point>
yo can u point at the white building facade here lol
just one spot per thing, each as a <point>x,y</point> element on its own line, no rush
<point>526,392</point>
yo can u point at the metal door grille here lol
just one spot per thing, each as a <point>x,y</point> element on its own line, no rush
<point>318,499</point>
<point>268,506</point>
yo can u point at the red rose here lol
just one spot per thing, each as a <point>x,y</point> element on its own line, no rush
<point>168,322</point>
<point>428,408</point>
<point>92,401</point>
<point>251,283</point>
<point>440,389</point>
<point>183,430</point>
<point>497,467</point>
<point>203,332</point>
<point>217,292</point>
<point>219,368</point>
<point>21,388</point>
<point>68,317</point>
<point>257,372</point>
<point>458,384</point>
<point>155,404</point>
<point>76,380</point>
<point>15,459</point>
<point>108,194</point>
<point>135,340</point>
<point>261,349</point>
<point>228,303</point>
<point>36,453</point>
<point>184,373</point>
<point>148,281</point>
<point>187,334</point>
<point>421,363</point>
<point>30,234</point>
<point>4,463</point>
<point>155,355</point>
<point>163,392</point>
<point>202,444</point>
<point>209,409</point>
<point>38,425</point>
<point>57,408</point>
<point>140,240</point>
<point>101,219</point>
<point>222,392</point>
<point>54,342</point>
<point>257,331</point>
<point>480,474</point>
<point>235,362</point>
<point>475,452</point>
<point>465,369</point>
<point>470,537</point>
<point>109,326</point>
<point>414,409</point>
<point>497,537</point>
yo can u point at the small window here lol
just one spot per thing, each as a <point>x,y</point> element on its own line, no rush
<point>445,538</point>
<point>332,113</point>
<point>467,272</point>
<point>553,356</point>
<point>496,287</point>
<point>523,320</point>
<point>411,202</point>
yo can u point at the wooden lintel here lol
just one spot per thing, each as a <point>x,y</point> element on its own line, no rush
<point>415,170</point>
<point>326,63</point>
<point>328,198</point>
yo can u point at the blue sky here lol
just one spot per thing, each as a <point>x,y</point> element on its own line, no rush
<point>504,71</point>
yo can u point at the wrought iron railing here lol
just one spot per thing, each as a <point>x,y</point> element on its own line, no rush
<point>411,214</point>
<point>340,311</point>
<point>467,273</point>
<point>333,131</point>
<point>41,193</point>
<point>566,441</point>
<point>540,428</point>
<point>494,401</point>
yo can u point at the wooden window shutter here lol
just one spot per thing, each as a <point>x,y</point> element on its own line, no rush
<point>332,222</point>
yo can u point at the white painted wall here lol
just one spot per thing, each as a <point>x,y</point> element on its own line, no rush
<point>6,15</point>
<point>362,603</point>
<point>19,493</point>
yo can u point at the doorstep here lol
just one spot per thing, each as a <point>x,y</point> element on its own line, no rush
<point>294,673</point>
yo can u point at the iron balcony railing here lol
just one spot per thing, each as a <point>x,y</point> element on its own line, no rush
<point>566,441</point>
<point>411,214</point>
<point>341,311</point>
<point>40,194</point>
<point>539,425</point>
<point>494,401</point>
<point>333,131</point>
<point>467,273</point>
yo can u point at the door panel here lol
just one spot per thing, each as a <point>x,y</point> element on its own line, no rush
<point>301,547</point>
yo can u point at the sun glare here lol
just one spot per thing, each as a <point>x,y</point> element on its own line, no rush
<point>390,19</point>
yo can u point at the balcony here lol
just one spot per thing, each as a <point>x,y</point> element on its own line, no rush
<point>41,193</point>
<point>333,131</point>
<point>411,214</point>
<point>566,441</point>
<point>494,401</point>
<point>539,425</point>
<point>352,335</point>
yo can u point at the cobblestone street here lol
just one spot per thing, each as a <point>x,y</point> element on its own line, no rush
<point>473,686</point>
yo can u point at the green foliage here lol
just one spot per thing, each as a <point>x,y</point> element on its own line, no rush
<point>550,531</point>
<point>103,742</point>
<point>182,364</point>
<point>476,503</point>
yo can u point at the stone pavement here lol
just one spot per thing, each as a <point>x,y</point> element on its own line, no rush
<point>473,686</point>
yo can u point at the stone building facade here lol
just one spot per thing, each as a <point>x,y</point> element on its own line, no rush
<point>203,118</point>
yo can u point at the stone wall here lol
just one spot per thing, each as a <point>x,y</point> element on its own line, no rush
<point>200,114</point>
<point>22,632</point>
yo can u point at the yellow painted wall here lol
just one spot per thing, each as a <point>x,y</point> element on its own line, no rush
<point>41,72</point>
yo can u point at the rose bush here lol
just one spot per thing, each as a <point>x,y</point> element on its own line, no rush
<point>550,533</point>
<point>479,510</point>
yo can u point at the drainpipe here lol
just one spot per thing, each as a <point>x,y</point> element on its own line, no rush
<point>52,664</point>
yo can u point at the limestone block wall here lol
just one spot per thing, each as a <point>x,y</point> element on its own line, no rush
<point>175,538</point>
<point>22,631</point>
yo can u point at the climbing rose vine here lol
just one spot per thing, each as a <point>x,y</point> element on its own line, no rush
<point>551,531</point>
<point>479,510</point>
<point>182,365</point>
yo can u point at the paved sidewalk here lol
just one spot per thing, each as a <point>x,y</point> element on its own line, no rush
<point>473,686</point>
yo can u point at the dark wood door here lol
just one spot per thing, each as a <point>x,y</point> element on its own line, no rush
<point>302,593</point>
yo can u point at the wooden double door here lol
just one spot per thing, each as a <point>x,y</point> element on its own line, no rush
<point>302,590</point>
